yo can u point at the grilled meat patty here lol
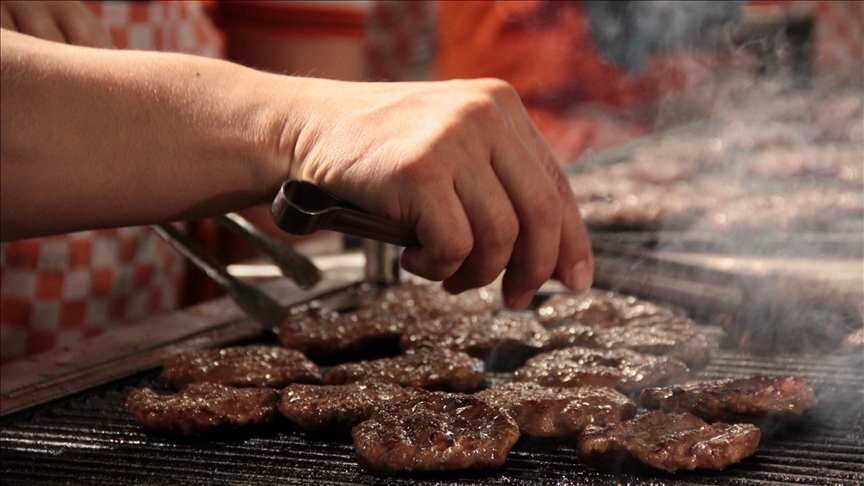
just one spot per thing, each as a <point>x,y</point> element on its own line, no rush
<point>622,369</point>
<point>202,406</point>
<point>316,406</point>
<point>430,300</point>
<point>597,308</point>
<point>669,442</point>
<point>433,369</point>
<point>555,412</point>
<point>676,337</point>
<point>435,431</point>
<point>740,400</point>
<point>325,334</point>
<point>242,366</point>
<point>503,342</point>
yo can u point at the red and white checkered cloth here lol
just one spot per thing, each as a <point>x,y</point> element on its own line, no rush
<point>59,289</point>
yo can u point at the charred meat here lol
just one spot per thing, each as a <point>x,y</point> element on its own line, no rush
<point>435,431</point>
<point>203,406</point>
<point>242,366</point>
<point>502,342</point>
<point>669,442</point>
<point>740,400</point>
<point>316,406</point>
<point>556,412</point>
<point>622,369</point>
<point>676,337</point>
<point>433,369</point>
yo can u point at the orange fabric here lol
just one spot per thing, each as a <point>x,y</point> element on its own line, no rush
<point>544,49</point>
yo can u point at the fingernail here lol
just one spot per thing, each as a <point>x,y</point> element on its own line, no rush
<point>521,301</point>
<point>581,277</point>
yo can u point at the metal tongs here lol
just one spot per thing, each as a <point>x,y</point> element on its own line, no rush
<point>301,208</point>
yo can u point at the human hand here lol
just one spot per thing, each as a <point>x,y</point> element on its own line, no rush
<point>459,161</point>
<point>68,22</point>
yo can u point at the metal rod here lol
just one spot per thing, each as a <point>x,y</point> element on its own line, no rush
<point>291,263</point>
<point>254,302</point>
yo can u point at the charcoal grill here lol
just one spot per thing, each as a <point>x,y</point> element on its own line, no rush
<point>90,438</point>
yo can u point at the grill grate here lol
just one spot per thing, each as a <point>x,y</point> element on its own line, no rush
<point>89,438</point>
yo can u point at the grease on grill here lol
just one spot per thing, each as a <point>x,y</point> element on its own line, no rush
<point>242,366</point>
<point>433,369</point>
<point>556,412</point>
<point>201,407</point>
<point>436,431</point>
<point>745,399</point>
<point>669,442</point>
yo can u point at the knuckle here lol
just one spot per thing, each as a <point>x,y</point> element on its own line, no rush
<point>503,231</point>
<point>547,209</point>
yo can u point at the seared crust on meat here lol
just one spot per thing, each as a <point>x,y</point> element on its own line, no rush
<point>435,431</point>
<point>669,442</point>
<point>555,412</point>
<point>322,334</point>
<point>316,406</point>
<point>597,308</point>
<point>242,366</point>
<point>431,300</point>
<point>676,337</point>
<point>624,370</point>
<point>745,399</point>
<point>202,406</point>
<point>500,341</point>
<point>433,369</point>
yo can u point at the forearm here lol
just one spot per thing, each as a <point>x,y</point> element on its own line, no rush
<point>98,138</point>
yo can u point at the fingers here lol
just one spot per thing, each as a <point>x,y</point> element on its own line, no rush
<point>64,21</point>
<point>538,205</point>
<point>494,226</point>
<point>79,25</point>
<point>6,21</point>
<point>575,266</point>
<point>440,253</point>
<point>34,18</point>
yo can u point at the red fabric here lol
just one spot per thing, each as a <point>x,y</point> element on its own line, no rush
<point>544,49</point>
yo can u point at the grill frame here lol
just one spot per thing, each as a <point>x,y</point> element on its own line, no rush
<point>89,438</point>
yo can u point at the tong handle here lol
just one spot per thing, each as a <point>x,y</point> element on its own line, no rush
<point>253,301</point>
<point>301,208</point>
<point>291,263</point>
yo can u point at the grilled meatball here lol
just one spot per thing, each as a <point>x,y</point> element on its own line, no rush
<point>624,370</point>
<point>501,341</point>
<point>316,406</point>
<point>669,442</point>
<point>555,412</point>
<point>435,431</point>
<point>741,400</point>
<point>676,337</point>
<point>324,334</point>
<point>202,406</point>
<point>433,369</point>
<point>597,308</point>
<point>242,366</point>
<point>432,300</point>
